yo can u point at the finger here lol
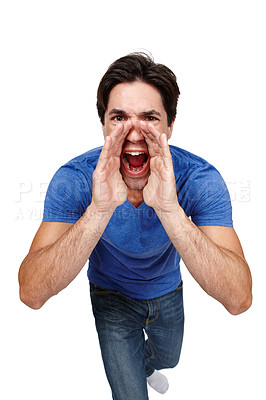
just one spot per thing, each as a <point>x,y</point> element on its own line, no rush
<point>153,147</point>
<point>167,157</point>
<point>126,128</point>
<point>148,138</point>
<point>105,153</point>
<point>163,143</point>
<point>151,131</point>
<point>147,134</point>
<point>151,140</point>
<point>158,137</point>
<point>155,136</point>
<point>118,136</point>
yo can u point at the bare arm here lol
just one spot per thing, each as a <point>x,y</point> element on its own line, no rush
<point>49,269</point>
<point>214,257</point>
<point>59,251</point>
<point>212,254</point>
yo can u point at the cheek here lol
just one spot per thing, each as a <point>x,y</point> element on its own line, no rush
<point>109,127</point>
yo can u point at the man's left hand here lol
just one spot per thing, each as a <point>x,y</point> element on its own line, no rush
<point>160,191</point>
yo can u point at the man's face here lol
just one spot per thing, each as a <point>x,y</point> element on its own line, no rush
<point>132,103</point>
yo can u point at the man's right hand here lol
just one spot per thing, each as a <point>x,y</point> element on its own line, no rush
<point>109,190</point>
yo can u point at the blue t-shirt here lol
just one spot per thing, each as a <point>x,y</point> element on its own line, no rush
<point>135,255</point>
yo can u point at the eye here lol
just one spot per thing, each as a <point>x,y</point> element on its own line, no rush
<point>150,118</point>
<point>118,118</point>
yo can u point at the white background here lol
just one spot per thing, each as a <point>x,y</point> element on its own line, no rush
<point>53,54</point>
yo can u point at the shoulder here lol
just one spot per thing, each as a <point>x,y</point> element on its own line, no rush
<point>202,192</point>
<point>186,159</point>
<point>76,174</point>
<point>194,173</point>
<point>70,190</point>
<point>189,166</point>
<point>79,168</point>
<point>86,161</point>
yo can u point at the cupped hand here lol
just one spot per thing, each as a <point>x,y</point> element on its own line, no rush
<point>109,189</point>
<point>160,191</point>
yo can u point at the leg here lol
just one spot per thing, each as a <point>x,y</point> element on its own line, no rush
<point>120,329</point>
<point>164,328</point>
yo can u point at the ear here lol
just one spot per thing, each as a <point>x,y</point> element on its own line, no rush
<point>170,129</point>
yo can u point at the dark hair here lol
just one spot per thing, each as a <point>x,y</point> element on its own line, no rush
<point>139,67</point>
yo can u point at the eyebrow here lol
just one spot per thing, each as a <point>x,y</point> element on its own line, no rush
<point>117,111</point>
<point>142,114</point>
<point>150,112</point>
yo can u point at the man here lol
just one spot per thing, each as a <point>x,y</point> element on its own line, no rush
<point>126,207</point>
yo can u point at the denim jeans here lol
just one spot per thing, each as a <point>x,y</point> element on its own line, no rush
<point>121,322</point>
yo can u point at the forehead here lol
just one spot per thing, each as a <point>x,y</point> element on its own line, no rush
<point>135,97</point>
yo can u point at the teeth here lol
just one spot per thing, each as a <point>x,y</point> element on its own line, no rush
<point>135,153</point>
<point>130,167</point>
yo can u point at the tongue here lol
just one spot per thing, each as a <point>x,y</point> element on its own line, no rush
<point>136,161</point>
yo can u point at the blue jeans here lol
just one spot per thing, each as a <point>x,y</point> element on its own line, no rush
<point>121,322</point>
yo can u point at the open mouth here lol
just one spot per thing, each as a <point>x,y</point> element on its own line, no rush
<point>135,162</point>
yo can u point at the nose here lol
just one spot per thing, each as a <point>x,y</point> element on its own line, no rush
<point>134,135</point>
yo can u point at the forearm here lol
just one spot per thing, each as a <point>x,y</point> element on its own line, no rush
<point>222,273</point>
<point>47,271</point>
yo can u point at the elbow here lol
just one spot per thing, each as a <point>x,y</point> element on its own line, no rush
<point>27,295</point>
<point>29,300</point>
<point>240,306</point>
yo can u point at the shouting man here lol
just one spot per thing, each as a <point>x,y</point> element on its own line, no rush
<point>133,208</point>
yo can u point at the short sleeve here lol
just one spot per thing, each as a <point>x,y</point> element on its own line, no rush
<point>68,195</point>
<point>212,203</point>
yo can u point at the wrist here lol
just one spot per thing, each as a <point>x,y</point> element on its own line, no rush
<point>170,213</point>
<point>174,221</point>
<point>93,212</point>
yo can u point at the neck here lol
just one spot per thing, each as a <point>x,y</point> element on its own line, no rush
<point>135,197</point>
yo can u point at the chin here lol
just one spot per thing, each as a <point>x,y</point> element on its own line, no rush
<point>135,184</point>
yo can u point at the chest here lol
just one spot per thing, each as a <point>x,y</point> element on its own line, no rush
<point>137,231</point>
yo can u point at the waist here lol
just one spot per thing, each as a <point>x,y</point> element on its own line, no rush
<point>145,289</point>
